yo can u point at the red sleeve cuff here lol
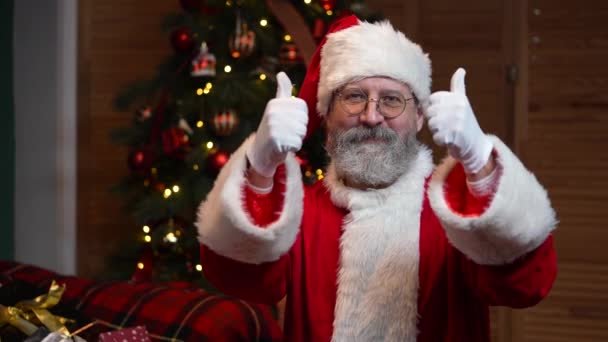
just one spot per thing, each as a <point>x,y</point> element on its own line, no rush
<point>458,197</point>
<point>265,209</point>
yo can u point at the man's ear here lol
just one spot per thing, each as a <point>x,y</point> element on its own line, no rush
<point>419,119</point>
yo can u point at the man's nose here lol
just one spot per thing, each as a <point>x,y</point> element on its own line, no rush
<point>371,115</point>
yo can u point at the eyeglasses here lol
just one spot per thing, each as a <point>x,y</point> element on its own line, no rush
<point>354,102</point>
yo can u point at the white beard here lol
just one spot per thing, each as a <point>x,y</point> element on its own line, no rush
<point>374,164</point>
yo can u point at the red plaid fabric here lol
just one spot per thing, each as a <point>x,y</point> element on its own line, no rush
<point>187,314</point>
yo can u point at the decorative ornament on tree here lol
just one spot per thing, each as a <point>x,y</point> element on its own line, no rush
<point>182,40</point>
<point>289,54</point>
<point>204,64</point>
<point>217,160</point>
<point>328,5</point>
<point>225,122</point>
<point>175,142</point>
<point>242,43</point>
<point>143,113</point>
<point>141,159</point>
<point>183,124</point>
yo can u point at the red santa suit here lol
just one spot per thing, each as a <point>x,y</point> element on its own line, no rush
<point>421,260</point>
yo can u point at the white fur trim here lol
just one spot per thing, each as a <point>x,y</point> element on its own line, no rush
<point>518,219</point>
<point>225,227</point>
<point>366,50</point>
<point>377,296</point>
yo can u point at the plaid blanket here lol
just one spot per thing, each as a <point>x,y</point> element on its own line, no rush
<point>170,312</point>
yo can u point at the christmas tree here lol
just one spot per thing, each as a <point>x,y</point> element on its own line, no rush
<point>205,99</point>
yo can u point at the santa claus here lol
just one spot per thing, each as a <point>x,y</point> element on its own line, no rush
<point>383,249</point>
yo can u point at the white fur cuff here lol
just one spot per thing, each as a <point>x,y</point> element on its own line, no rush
<point>225,226</point>
<point>518,219</point>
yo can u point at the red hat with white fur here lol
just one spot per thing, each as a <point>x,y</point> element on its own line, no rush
<point>354,49</point>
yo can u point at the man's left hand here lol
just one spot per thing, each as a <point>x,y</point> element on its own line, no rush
<point>453,123</point>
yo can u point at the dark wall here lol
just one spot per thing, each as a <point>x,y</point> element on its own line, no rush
<point>7,133</point>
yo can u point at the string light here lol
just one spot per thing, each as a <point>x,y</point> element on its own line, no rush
<point>200,123</point>
<point>140,265</point>
<point>264,22</point>
<point>209,145</point>
<point>308,174</point>
<point>262,76</point>
<point>208,85</point>
<point>206,91</point>
<point>319,172</point>
<point>307,2</point>
<point>167,193</point>
<point>227,68</point>
<point>329,12</point>
<point>195,167</point>
<point>199,267</point>
<point>146,183</point>
<point>171,238</point>
<point>175,188</point>
<point>146,229</point>
<point>287,38</point>
<point>147,238</point>
<point>228,3</point>
<point>153,170</point>
<point>199,91</point>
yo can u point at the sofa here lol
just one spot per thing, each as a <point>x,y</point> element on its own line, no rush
<point>170,312</point>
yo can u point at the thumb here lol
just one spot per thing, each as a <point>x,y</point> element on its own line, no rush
<point>283,85</point>
<point>457,82</point>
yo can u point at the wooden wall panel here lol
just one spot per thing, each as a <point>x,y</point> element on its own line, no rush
<point>566,145</point>
<point>119,41</point>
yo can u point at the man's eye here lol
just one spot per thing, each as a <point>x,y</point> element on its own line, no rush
<point>392,100</point>
<point>355,97</point>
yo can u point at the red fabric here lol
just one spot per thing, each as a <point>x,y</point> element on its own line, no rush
<point>308,91</point>
<point>266,208</point>
<point>187,314</point>
<point>454,293</point>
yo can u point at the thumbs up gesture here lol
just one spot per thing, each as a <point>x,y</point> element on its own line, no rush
<point>452,123</point>
<point>281,130</point>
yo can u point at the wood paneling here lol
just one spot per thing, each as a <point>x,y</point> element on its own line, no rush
<point>566,146</point>
<point>119,41</point>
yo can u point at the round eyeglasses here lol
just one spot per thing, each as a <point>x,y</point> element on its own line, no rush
<point>354,102</point>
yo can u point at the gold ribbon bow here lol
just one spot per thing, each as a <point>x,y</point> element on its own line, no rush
<point>28,314</point>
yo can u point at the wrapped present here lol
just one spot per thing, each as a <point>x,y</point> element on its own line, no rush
<point>136,334</point>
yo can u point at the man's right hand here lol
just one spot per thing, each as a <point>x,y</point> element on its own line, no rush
<point>281,130</point>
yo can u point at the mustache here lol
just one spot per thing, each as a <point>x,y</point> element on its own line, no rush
<point>360,134</point>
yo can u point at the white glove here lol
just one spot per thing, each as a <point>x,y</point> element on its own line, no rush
<point>281,130</point>
<point>452,122</point>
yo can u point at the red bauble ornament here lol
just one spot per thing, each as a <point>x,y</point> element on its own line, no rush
<point>217,160</point>
<point>182,40</point>
<point>175,142</point>
<point>242,43</point>
<point>141,159</point>
<point>289,54</point>
<point>328,5</point>
<point>225,122</point>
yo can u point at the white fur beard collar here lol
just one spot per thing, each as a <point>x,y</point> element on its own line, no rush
<point>377,296</point>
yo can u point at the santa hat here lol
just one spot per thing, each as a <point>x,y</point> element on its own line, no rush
<point>354,49</point>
